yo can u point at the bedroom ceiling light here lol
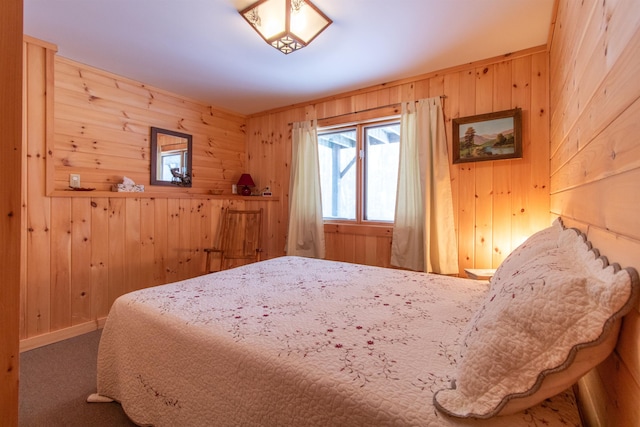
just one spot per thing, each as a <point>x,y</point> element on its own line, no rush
<point>287,25</point>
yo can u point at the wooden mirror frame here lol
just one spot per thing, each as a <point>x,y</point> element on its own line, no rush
<point>185,179</point>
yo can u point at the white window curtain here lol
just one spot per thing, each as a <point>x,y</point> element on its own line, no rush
<point>306,226</point>
<point>424,236</point>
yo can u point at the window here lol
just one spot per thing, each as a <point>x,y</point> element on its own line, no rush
<point>359,171</point>
<point>173,160</point>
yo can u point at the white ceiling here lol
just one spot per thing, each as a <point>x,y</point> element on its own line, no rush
<point>205,50</point>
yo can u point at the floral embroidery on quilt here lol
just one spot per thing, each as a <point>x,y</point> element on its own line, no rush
<point>376,337</point>
<point>357,335</point>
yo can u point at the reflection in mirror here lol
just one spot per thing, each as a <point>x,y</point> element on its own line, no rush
<point>170,158</point>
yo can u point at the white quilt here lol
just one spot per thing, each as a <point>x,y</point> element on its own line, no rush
<point>296,341</point>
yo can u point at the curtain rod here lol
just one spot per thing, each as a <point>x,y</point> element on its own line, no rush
<point>367,110</point>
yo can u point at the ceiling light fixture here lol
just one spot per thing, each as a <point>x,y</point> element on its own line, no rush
<point>287,25</point>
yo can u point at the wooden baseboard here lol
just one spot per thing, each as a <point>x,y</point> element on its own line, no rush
<point>62,334</point>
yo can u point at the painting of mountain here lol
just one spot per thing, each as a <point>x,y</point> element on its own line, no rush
<point>487,137</point>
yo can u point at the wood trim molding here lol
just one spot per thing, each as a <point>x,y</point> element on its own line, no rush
<point>11,115</point>
<point>48,118</point>
<point>41,43</point>
<point>61,334</point>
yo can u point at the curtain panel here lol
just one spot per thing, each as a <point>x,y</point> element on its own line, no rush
<point>306,226</point>
<point>424,236</point>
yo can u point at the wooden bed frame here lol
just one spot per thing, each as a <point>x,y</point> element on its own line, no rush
<point>609,394</point>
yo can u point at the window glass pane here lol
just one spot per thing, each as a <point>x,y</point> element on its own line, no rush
<point>337,152</point>
<point>170,161</point>
<point>381,171</point>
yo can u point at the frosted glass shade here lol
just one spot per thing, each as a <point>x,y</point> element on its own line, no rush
<point>287,25</point>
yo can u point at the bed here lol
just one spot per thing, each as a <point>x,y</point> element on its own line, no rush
<point>298,341</point>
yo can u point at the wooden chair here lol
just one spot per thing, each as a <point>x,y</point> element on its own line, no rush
<point>240,239</point>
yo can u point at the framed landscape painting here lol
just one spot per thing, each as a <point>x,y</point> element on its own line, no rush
<point>491,136</point>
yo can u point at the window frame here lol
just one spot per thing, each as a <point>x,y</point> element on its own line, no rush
<point>361,154</point>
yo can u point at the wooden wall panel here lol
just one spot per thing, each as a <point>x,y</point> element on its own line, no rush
<point>521,208</point>
<point>183,250</point>
<point>451,110</point>
<point>539,128</point>
<point>595,168</point>
<point>117,257</point>
<point>99,257</point>
<point>466,188</point>
<point>102,132</point>
<point>484,191</point>
<point>147,241</point>
<point>172,260</point>
<point>496,204</point>
<point>83,250</point>
<point>160,240</point>
<point>61,227</point>
<point>133,280</point>
<point>11,215</point>
<point>38,221</point>
<point>81,241</point>
<point>502,242</point>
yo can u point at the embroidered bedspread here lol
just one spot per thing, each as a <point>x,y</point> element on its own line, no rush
<point>296,341</point>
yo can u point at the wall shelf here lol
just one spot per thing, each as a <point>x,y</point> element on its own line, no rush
<point>160,195</point>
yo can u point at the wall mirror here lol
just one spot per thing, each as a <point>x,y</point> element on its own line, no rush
<point>170,158</point>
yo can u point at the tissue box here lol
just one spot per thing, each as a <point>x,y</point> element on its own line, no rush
<point>124,188</point>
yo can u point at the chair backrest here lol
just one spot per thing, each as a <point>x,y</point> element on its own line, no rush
<point>241,234</point>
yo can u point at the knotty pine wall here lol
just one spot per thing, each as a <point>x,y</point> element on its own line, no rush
<point>595,168</point>
<point>497,203</point>
<point>10,213</point>
<point>84,249</point>
<point>102,131</point>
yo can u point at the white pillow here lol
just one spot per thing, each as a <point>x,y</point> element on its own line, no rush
<point>536,244</point>
<point>553,320</point>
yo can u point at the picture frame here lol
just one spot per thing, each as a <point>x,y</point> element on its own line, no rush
<point>490,136</point>
<point>171,157</point>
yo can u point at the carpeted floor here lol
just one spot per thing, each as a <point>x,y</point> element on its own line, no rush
<point>55,381</point>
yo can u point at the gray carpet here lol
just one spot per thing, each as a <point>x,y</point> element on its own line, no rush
<point>55,381</point>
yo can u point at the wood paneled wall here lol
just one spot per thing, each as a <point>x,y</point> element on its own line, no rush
<point>497,203</point>
<point>10,214</point>
<point>80,252</point>
<point>595,167</point>
<point>102,132</point>
<point>84,249</point>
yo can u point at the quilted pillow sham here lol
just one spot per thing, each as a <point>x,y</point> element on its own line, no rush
<point>536,244</point>
<point>546,325</point>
